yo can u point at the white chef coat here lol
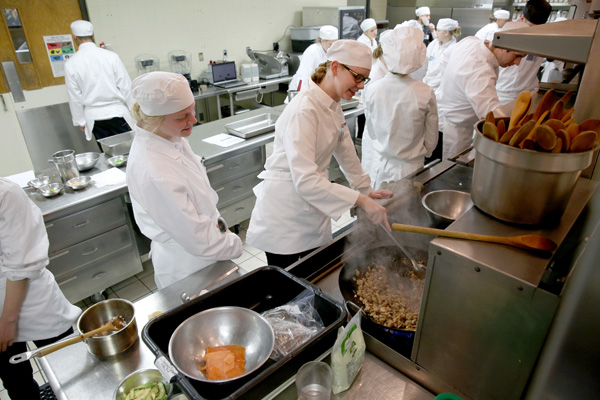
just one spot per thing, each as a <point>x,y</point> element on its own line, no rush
<point>467,92</point>
<point>487,31</point>
<point>517,78</point>
<point>552,71</point>
<point>402,114</point>
<point>99,87</point>
<point>378,71</point>
<point>435,50</point>
<point>175,206</point>
<point>296,200</point>
<point>45,312</point>
<point>366,40</point>
<point>312,57</point>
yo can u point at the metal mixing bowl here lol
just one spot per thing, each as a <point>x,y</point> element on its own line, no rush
<point>221,326</point>
<point>38,182</point>
<point>79,182</point>
<point>445,206</point>
<point>138,378</point>
<point>86,161</point>
<point>117,161</point>
<point>51,189</point>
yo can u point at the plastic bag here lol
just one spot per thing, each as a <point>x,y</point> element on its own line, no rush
<point>294,323</point>
<point>347,355</point>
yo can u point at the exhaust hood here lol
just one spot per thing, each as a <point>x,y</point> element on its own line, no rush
<point>569,40</point>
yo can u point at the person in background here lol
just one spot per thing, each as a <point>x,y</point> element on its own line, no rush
<point>424,20</point>
<point>296,200</point>
<point>515,79</point>
<point>378,71</point>
<point>173,202</point>
<point>447,32</point>
<point>468,89</point>
<point>498,19</point>
<point>552,70</point>
<point>313,56</point>
<point>401,112</point>
<point>98,86</point>
<point>419,74</point>
<point>369,29</point>
<point>32,306</point>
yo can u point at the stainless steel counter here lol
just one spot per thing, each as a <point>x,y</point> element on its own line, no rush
<point>75,374</point>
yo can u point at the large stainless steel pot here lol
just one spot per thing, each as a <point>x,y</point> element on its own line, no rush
<point>523,186</point>
<point>109,344</point>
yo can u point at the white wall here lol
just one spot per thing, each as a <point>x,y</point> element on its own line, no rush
<point>133,27</point>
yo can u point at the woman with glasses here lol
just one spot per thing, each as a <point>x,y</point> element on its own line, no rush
<point>401,111</point>
<point>296,200</point>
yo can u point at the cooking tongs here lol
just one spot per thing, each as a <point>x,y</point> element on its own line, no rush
<point>185,298</point>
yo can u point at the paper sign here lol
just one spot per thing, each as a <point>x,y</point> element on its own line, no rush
<point>223,140</point>
<point>60,48</point>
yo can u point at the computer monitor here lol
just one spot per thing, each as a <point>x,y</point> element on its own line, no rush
<point>224,72</point>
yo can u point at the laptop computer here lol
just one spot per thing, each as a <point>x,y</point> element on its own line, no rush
<point>224,75</point>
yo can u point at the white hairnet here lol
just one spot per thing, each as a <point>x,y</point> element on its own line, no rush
<point>82,28</point>
<point>162,93</point>
<point>328,32</point>
<point>367,24</point>
<point>351,53</point>
<point>404,50</point>
<point>447,24</point>
<point>422,11</point>
<point>501,14</point>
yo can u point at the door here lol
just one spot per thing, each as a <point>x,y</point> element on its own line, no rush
<point>24,23</point>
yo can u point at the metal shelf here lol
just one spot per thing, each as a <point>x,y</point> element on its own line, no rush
<point>552,4</point>
<point>566,40</point>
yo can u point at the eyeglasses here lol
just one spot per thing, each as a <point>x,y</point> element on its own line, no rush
<point>358,78</point>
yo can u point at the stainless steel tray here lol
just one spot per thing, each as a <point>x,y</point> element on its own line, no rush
<point>348,104</point>
<point>250,127</point>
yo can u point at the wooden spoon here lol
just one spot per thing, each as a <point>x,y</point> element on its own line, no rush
<point>583,142</point>
<point>563,135</point>
<point>490,118</point>
<point>520,109</point>
<point>557,110</point>
<point>115,324</point>
<point>565,99</point>
<point>545,104</point>
<point>490,131</point>
<point>545,137</point>
<point>573,131</point>
<point>501,128</point>
<point>528,242</point>
<point>509,135</point>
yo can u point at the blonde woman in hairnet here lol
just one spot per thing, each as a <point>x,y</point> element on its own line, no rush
<point>402,112</point>
<point>498,19</point>
<point>296,200</point>
<point>369,28</point>
<point>313,56</point>
<point>173,202</point>
<point>447,31</point>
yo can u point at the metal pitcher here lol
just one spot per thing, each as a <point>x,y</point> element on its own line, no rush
<point>66,164</point>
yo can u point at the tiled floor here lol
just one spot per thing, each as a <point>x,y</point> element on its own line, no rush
<point>141,285</point>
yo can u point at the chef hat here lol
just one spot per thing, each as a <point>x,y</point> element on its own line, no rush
<point>82,28</point>
<point>367,24</point>
<point>537,11</point>
<point>328,32</point>
<point>162,93</point>
<point>404,50</point>
<point>352,53</point>
<point>410,22</point>
<point>423,11</point>
<point>501,14</point>
<point>447,24</point>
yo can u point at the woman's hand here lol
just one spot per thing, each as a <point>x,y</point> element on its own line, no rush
<point>8,330</point>
<point>381,194</point>
<point>375,212</point>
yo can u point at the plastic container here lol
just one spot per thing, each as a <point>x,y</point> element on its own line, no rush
<point>524,186</point>
<point>260,290</point>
